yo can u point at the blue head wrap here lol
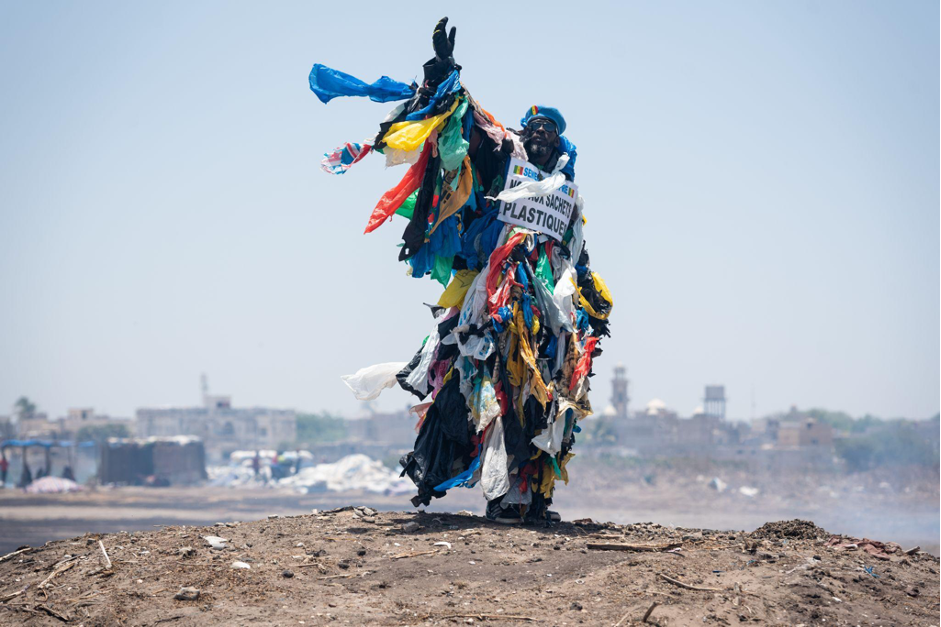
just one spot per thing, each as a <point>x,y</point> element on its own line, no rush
<point>550,113</point>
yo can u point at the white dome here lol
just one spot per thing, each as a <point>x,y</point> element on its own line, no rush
<point>609,411</point>
<point>656,405</point>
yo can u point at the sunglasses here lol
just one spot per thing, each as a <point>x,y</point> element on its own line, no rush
<point>546,125</point>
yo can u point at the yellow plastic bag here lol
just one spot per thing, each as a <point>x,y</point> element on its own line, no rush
<point>602,288</point>
<point>410,136</point>
<point>453,296</point>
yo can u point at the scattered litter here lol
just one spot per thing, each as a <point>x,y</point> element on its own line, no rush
<point>187,594</point>
<point>879,550</point>
<point>52,485</point>
<point>718,484</point>
<point>353,472</point>
<point>447,544</point>
<point>240,566</point>
<point>216,542</point>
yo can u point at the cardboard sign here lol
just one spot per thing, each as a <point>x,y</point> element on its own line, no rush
<point>550,214</point>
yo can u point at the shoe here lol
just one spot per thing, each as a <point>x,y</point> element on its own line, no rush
<point>553,516</point>
<point>503,515</point>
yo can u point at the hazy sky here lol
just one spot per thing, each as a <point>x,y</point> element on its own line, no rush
<point>762,183</point>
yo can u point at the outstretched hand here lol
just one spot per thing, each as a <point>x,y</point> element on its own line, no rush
<point>442,42</point>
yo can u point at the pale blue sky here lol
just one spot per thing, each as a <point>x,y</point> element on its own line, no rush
<point>762,183</point>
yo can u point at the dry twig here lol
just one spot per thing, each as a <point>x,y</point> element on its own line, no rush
<point>633,547</point>
<point>15,553</point>
<point>404,555</point>
<point>51,612</point>
<point>105,553</point>
<point>488,616</point>
<point>60,568</point>
<point>349,576</point>
<point>679,583</point>
<point>649,612</point>
<point>12,595</point>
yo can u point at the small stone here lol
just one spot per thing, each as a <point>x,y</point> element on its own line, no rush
<point>240,566</point>
<point>187,594</point>
<point>576,606</point>
<point>361,552</point>
<point>410,527</point>
<point>287,574</point>
<point>187,551</point>
<point>216,542</point>
<point>273,516</point>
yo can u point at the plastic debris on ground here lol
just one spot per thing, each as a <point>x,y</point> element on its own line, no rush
<point>353,472</point>
<point>52,485</point>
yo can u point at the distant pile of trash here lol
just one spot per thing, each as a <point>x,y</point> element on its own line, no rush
<point>353,472</point>
<point>52,485</point>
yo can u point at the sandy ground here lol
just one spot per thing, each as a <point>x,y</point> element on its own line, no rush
<point>889,506</point>
<point>353,567</point>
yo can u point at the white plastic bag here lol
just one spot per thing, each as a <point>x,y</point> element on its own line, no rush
<point>369,382</point>
<point>494,477</point>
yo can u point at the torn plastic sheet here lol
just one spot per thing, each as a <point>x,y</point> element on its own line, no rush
<point>494,476</point>
<point>535,189</point>
<point>550,440</point>
<point>328,84</point>
<point>418,379</point>
<point>450,85</point>
<point>369,382</point>
<point>465,479</point>
<point>344,157</point>
<point>411,135</point>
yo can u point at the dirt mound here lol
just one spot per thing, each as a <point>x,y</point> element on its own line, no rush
<point>359,566</point>
<point>790,530</point>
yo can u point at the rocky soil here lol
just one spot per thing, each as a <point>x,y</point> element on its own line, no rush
<point>356,566</point>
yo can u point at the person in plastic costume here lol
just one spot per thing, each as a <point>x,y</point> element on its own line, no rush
<point>508,361</point>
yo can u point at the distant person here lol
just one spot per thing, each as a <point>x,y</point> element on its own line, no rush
<point>27,477</point>
<point>256,463</point>
<point>67,473</point>
<point>41,473</point>
<point>4,467</point>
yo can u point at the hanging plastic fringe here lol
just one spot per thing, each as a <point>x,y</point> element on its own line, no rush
<point>344,157</point>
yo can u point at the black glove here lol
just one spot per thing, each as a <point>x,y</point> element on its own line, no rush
<point>442,42</point>
<point>438,69</point>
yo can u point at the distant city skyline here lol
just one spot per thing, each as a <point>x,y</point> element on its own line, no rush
<point>762,186</point>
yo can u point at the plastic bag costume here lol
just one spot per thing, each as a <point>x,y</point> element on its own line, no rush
<point>503,374</point>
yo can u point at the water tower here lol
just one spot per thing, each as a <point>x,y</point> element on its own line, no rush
<point>714,403</point>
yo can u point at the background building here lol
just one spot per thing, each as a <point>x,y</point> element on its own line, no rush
<point>221,427</point>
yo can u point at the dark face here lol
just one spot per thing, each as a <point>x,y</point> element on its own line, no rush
<point>540,139</point>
